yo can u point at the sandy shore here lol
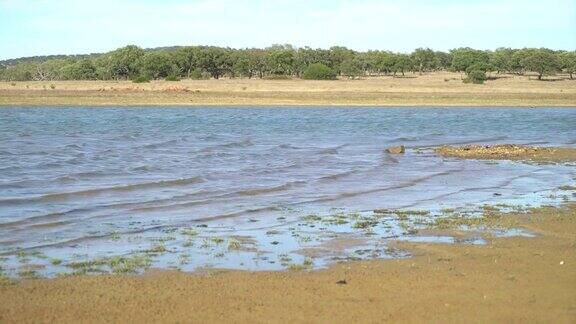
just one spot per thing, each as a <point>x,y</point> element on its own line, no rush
<point>517,279</point>
<point>510,152</point>
<point>435,89</point>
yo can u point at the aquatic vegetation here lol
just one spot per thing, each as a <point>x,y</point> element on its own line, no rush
<point>188,232</point>
<point>118,264</point>
<point>28,274</point>
<point>55,262</point>
<point>188,243</point>
<point>184,258</point>
<point>157,249</point>
<point>307,264</point>
<point>206,243</point>
<point>312,218</point>
<point>365,223</point>
<point>115,236</point>
<point>23,257</point>
<point>234,244</point>
<point>88,266</point>
<point>217,240</point>
<point>163,239</point>
<point>131,264</point>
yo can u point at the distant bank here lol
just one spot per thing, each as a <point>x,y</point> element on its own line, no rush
<point>433,89</point>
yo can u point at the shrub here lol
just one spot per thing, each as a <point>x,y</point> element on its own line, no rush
<point>141,79</point>
<point>476,77</point>
<point>319,71</point>
<point>172,78</point>
<point>196,74</point>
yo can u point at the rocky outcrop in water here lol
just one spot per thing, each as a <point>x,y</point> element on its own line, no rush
<point>396,149</point>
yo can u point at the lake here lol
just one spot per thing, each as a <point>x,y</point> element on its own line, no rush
<point>242,187</point>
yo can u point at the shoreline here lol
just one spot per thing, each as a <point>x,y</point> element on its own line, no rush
<point>528,278</point>
<point>295,106</point>
<point>431,90</point>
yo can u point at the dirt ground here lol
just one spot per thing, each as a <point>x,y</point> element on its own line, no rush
<point>433,89</point>
<point>518,279</point>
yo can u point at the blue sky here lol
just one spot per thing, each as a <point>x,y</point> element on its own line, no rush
<point>40,27</point>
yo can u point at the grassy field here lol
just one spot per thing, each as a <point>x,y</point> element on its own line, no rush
<point>435,89</point>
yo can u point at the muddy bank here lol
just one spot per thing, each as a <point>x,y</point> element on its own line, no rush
<point>510,152</point>
<point>509,279</point>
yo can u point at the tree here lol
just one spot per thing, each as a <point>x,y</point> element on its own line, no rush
<point>50,70</point>
<point>80,70</point>
<point>339,55</point>
<point>463,58</point>
<point>476,76</point>
<point>402,63</point>
<point>104,68</point>
<point>186,59</point>
<point>502,59</point>
<point>158,65</point>
<point>281,60</point>
<point>443,60</point>
<point>125,61</point>
<point>542,61</point>
<point>568,61</point>
<point>19,72</point>
<point>351,68</point>
<point>306,56</point>
<point>319,71</point>
<point>215,60</point>
<point>424,59</point>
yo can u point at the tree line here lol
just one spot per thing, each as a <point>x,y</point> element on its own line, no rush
<point>285,61</point>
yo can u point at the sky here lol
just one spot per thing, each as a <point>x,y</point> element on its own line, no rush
<point>44,27</point>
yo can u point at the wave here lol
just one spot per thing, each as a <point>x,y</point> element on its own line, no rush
<point>502,185</point>
<point>239,144</point>
<point>406,184</point>
<point>288,146</point>
<point>96,191</point>
<point>86,238</point>
<point>336,176</point>
<point>158,144</point>
<point>259,191</point>
<point>329,151</point>
<point>212,199</point>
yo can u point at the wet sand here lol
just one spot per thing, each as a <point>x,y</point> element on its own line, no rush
<point>432,89</point>
<point>510,152</point>
<point>515,279</point>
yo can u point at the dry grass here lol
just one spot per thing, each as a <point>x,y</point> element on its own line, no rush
<point>436,89</point>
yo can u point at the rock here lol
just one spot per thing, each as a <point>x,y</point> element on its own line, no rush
<point>396,149</point>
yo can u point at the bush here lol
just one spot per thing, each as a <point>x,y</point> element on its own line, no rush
<point>196,74</point>
<point>476,77</point>
<point>141,79</point>
<point>319,71</point>
<point>172,78</point>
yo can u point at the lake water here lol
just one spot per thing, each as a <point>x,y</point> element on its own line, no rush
<point>228,187</point>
